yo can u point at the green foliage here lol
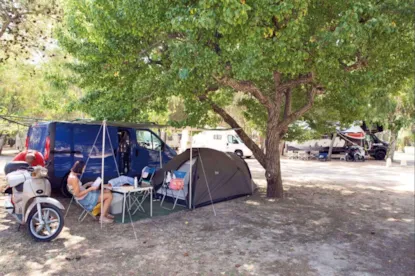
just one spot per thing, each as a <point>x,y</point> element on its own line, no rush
<point>393,107</point>
<point>26,28</point>
<point>28,90</point>
<point>133,55</point>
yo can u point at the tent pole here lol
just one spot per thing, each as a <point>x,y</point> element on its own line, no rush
<point>207,183</point>
<point>113,152</point>
<point>90,152</point>
<point>104,128</point>
<point>190,175</point>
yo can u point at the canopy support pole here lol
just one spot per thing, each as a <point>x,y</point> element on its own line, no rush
<point>190,175</point>
<point>104,128</point>
<point>113,153</point>
<point>160,156</point>
<point>90,152</point>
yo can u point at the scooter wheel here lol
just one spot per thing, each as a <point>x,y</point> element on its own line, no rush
<point>53,221</point>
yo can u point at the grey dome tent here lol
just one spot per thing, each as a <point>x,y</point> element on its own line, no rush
<point>216,176</point>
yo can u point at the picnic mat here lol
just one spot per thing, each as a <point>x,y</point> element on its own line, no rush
<point>157,211</point>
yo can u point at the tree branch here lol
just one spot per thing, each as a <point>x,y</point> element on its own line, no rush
<point>287,104</point>
<point>4,26</point>
<point>246,87</point>
<point>302,79</point>
<point>277,82</point>
<point>277,78</point>
<point>295,115</point>
<point>258,153</point>
<point>361,62</point>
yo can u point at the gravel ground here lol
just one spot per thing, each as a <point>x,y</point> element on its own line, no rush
<point>336,218</point>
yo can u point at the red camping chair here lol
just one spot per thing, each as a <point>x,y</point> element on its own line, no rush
<point>174,186</point>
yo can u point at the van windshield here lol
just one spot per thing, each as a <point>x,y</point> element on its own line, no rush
<point>239,139</point>
<point>148,140</point>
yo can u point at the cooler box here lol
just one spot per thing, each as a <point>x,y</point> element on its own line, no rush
<point>116,204</point>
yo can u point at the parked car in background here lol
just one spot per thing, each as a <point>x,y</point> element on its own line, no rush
<point>222,140</point>
<point>63,143</point>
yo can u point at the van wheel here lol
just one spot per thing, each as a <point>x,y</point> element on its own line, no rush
<point>380,155</point>
<point>64,189</point>
<point>239,153</point>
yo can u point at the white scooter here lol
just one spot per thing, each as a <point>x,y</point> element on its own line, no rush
<point>29,201</point>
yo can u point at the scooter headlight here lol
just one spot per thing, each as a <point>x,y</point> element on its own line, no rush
<point>40,172</point>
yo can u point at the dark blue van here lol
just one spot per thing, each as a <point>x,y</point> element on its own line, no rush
<point>134,146</point>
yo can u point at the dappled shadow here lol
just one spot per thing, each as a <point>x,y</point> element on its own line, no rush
<point>333,225</point>
<point>360,223</point>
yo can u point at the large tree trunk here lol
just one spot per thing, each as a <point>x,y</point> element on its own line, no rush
<point>273,170</point>
<point>2,141</point>
<point>331,146</point>
<point>272,157</point>
<point>392,144</point>
<point>276,126</point>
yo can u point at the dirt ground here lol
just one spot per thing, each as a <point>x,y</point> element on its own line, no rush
<point>337,219</point>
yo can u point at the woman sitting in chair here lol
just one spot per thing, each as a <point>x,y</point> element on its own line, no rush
<point>88,197</point>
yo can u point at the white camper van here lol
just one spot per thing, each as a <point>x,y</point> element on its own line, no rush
<point>222,140</point>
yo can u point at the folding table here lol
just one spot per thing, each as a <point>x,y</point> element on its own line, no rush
<point>134,198</point>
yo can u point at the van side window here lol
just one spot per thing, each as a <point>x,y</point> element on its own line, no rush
<point>217,137</point>
<point>232,140</point>
<point>148,140</point>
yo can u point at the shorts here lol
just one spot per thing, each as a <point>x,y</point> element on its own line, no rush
<point>90,200</point>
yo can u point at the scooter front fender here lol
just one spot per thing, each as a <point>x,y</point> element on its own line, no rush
<point>41,200</point>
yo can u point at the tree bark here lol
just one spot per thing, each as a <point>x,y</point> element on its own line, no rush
<point>282,147</point>
<point>258,153</point>
<point>272,158</point>
<point>392,144</point>
<point>2,140</point>
<point>276,126</point>
<point>331,146</point>
<point>273,169</point>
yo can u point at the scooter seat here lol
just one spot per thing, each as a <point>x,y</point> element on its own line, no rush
<point>14,166</point>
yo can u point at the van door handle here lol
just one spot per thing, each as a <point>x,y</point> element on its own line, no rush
<point>136,152</point>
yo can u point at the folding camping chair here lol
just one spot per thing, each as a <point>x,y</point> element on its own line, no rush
<point>136,199</point>
<point>84,212</point>
<point>147,175</point>
<point>176,183</point>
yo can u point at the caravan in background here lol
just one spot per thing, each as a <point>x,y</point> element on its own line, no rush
<point>221,140</point>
